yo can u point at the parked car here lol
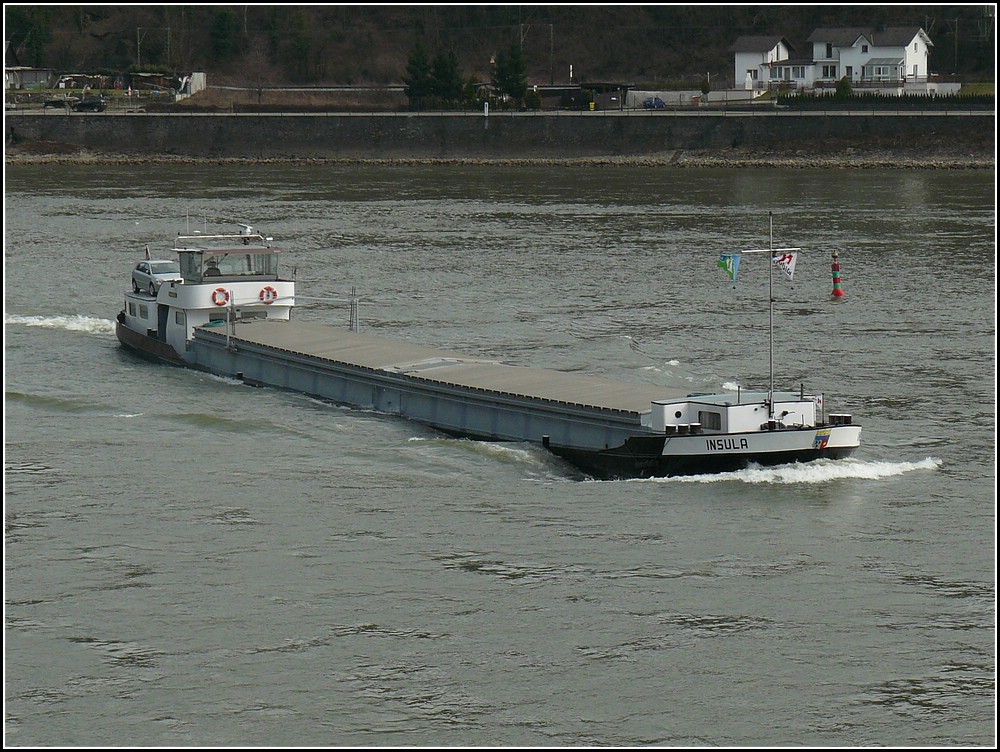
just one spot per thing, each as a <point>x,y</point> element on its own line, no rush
<point>97,104</point>
<point>654,103</point>
<point>149,275</point>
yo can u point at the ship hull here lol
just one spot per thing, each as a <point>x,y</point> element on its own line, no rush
<point>436,389</point>
<point>644,457</point>
<point>146,346</point>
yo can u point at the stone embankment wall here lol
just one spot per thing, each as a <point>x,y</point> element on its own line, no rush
<point>501,136</point>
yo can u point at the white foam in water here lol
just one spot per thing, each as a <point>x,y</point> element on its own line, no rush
<point>70,323</point>
<point>821,471</point>
<point>224,379</point>
<point>519,453</point>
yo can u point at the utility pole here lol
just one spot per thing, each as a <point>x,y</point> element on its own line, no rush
<point>955,29</point>
<point>552,76</point>
<point>956,45</point>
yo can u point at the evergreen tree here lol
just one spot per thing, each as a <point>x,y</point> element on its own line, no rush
<point>300,48</point>
<point>418,78</point>
<point>511,76</point>
<point>28,30</point>
<point>446,79</point>
<point>223,34</point>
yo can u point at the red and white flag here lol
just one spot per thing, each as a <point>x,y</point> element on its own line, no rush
<point>786,262</point>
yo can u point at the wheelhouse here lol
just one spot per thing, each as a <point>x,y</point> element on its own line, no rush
<point>206,259</point>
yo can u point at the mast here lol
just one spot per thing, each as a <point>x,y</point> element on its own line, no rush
<point>771,251</point>
<point>770,316</point>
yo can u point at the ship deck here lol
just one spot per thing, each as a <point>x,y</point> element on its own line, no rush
<point>366,351</point>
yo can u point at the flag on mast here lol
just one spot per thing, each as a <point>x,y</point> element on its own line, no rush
<point>731,263</point>
<point>786,262</point>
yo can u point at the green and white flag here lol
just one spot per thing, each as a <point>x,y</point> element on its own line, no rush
<point>731,263</point>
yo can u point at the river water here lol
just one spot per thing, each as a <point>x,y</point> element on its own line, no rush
<point>192,562</point>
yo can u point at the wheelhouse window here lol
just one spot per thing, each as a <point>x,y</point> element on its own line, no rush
<point>200,266</point>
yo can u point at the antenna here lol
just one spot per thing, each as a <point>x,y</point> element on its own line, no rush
<point>354,323</point>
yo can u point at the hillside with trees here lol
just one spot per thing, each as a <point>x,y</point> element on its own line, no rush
<point>657,45</point>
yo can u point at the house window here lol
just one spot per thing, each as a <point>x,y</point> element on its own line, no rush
<point>752,72</point>
<point>864,48</point>
<point>829,51</point>
<point>829,71</point>
<point>775,74</point>
<point>799,71</point>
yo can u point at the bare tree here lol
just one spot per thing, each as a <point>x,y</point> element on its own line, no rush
<point>256,66</point>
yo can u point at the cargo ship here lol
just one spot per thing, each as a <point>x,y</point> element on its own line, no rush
<point>223,307</point>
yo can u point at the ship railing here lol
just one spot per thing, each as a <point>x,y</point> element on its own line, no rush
<point>229,236</point>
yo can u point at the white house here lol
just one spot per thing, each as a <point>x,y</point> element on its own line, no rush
<point>754,55</point>
<point>892,60</point>
<point>894,55</point>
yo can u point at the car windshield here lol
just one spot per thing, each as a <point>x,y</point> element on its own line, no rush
<point>165,267</point>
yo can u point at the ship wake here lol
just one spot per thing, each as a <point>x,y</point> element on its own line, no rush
<point>820,471</point>
<point>88,324</point>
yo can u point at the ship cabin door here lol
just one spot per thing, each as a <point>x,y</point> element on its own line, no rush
<point>162,316</point>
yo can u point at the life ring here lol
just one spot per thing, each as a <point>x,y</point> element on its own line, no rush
<point>221,296</point>
<point>268,295</point>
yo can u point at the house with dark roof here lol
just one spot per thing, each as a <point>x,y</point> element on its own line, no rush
<point>892,55</point>
<point>17,76</point>
<point>892,60</point>
<point>754,56</point>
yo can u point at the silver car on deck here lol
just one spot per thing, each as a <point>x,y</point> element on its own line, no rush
<point>147,276</point>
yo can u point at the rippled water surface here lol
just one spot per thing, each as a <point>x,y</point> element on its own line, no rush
<point>189,561</point>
